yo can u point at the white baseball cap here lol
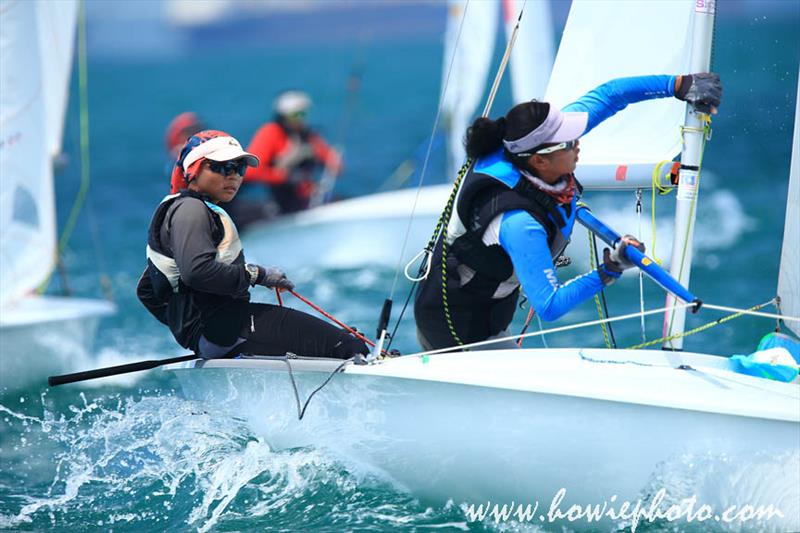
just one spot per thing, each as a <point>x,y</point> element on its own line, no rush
<point>223,148</point>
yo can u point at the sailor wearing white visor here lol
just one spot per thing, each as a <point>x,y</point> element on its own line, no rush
<point>515,210</point>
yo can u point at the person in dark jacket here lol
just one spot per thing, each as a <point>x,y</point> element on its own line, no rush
<point>197,281</point>
<point>515,211</point>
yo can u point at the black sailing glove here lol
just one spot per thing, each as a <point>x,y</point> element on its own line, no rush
<point>616,262</point>
<point>702,90</point>
<point>270,277</point>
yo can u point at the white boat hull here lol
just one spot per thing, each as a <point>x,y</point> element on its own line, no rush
<point>520,425</point>
<point>350,233</point>
<point>45,335</point>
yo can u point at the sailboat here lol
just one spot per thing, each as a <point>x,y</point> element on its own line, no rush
<point>595,426</point>
<point>38,334</point>
<point>374,223</point>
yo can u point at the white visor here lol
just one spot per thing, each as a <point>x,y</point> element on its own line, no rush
<point>219,149</point>
<point>558,127</point>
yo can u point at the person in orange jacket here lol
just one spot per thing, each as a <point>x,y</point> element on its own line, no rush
<point>290,153</point>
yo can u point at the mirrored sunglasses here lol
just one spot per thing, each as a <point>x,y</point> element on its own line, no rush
<point>237,166</point>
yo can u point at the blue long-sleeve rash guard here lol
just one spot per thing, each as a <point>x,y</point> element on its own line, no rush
<point>525,240</point>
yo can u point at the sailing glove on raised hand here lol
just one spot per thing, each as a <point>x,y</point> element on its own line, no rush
<point>702,90</point>
<point>615,262</point>
<point>270,277</point>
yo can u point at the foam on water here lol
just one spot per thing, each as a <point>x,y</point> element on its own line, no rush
<point>161,462</point>
<point>738,483</point>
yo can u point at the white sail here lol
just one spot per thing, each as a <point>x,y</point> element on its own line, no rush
<point>57,21</point>
<point>789,275</point>
<point>533,52</point>
<point>600,43</point>
<point>27,210</point>
<point>471,56</point>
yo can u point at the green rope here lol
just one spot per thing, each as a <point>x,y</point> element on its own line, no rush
<point>594,265</point>
<point>693,208</point>
<point>699,328</point>
<point>80,199</point>
<point>444,220</point>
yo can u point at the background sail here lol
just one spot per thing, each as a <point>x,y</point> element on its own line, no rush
<point>789,275</point>
<point>533,52</point>
<point>56,22</point>
<point>606,40</point>
<point>27,210</point>
<point>473,54</point>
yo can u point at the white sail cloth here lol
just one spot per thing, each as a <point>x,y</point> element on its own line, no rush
<point>472,53</point>
<point>27,210</point>
<point>56,21</point>
<point>600,43</point>
<point>466,61</point>
<point>789,275</point>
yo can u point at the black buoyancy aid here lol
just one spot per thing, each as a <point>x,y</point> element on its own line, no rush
<point>188,312</point>
<point>491,187</point>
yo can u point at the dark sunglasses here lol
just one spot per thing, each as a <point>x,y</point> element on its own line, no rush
<point>228,167</point>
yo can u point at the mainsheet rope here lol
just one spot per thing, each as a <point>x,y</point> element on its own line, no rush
<point>329,316</point>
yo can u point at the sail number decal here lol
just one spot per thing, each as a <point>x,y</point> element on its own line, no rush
<point>705,6</point>
<point>687,184</point>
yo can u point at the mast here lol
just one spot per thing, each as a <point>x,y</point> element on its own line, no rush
<point>691,158</point>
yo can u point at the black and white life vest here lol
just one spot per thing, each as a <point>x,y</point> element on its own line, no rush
<point>190,313</point>
<point>482,289</point>
<point>229,248</point>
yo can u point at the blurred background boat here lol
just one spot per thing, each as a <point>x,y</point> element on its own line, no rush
<point>38,333</point>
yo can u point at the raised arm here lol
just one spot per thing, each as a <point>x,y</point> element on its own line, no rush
<point>613,96</point>
<point>702,90</point>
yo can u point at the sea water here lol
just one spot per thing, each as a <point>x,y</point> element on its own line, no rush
<point>130,454</point>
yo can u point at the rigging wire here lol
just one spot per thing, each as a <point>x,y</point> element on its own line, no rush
<point>444,218</point>
<point>551,330</point>
<point>752,311</point>
<point>428,153</point>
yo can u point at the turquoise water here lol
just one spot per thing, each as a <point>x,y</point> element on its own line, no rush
<point>133,455</point>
